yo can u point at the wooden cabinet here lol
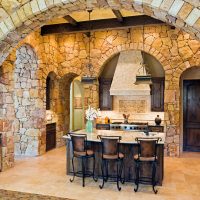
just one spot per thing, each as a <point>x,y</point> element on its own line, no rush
<point>105,99</point>
<point>103,126</point>
<point>157,94</point>
<point>156,128</point>
<point>0,152</point>
<point>50,136</point>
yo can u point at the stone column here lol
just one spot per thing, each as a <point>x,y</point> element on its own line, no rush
<point>172,144</point>
<point>29,104</point>
<point>7,115</point>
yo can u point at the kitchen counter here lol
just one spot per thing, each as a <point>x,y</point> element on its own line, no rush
<point>128,146</point>
<point>128,137</point>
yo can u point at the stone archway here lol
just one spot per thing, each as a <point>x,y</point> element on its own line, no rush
<point>76,105</point>
<point>63,107</point>
<point>158,42</point>
<point>162,42</point>
<point>33,14</point>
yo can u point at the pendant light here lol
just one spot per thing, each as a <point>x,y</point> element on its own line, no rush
<point>143,76</point>
<point>89,79</point>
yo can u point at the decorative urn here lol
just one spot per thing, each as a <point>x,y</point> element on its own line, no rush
<point>158,120</point>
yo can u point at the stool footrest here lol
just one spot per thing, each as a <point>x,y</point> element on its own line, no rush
<point>111,178</point>
<point>80,174</point>
<point>145,180</point>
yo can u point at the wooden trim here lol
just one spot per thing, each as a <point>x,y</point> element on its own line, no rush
<point>103,24</point>
<point>71,20</point>
<point>118,14</point>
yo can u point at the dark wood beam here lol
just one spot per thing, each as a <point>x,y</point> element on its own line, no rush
<point>71,20</point>
<point>118,14</point>
<point>104,24</point>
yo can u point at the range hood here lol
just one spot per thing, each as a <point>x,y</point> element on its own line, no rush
<point>124,79</point>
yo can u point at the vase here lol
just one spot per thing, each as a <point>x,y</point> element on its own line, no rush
<point>89,126</point>
<point>158,120</point>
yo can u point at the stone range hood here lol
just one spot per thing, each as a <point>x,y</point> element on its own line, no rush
<point>125,75</point>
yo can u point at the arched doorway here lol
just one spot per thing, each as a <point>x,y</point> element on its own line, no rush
<point>64,104</point>
<point>190,117</point>
<point>76,105</point>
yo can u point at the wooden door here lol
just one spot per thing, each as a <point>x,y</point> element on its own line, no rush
<point>191,115</point>
<point>50,136</point>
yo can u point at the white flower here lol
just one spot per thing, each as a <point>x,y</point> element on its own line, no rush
<point>92,113</point>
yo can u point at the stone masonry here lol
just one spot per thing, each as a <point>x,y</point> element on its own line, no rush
<point>28,106</point>
<point>66,56</point>
<point>18,18</point>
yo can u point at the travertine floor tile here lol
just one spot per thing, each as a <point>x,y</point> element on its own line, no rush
<point>47,175</point>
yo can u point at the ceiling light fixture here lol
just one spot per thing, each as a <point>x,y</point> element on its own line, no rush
<point>89,79</point>
<point>143,76</point>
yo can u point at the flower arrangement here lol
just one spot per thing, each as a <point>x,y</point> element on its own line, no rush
<point>92,113</point>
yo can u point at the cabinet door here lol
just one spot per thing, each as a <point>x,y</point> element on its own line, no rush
<point>156,128</point>
<point>104,94</point>
<point>103,126</point>
<point>50,136</point>
<point>157,94</point>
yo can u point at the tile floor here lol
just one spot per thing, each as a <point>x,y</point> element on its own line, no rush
<point>46,175</point>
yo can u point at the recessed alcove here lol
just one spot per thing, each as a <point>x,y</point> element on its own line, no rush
<point>141,109</point>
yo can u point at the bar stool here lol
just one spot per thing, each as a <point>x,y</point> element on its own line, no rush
<point>147,153</point>
<point>110,152</point>
<point>80,151</point>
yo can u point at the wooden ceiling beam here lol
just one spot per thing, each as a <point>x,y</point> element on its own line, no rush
<point>118,14</point>
<point>71,20</point>
<point>103,24</point>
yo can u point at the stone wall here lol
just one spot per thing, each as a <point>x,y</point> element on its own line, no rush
<point>63,110</point>
<point>28,104</point>
<point>175,50</point>
<point>19,18</point>
<point>66,56</point>
<point>7,114</point>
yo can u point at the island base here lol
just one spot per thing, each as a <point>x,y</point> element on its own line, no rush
<point>129,165</point>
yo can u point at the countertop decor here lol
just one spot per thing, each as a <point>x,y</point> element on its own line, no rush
<point>91,114</point>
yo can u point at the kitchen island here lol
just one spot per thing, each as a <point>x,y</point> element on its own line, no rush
<point>128,146</point>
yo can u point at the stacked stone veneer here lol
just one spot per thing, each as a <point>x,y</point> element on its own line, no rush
<point>28,104</point>
<point>66,56</point>
<point>7,114</point>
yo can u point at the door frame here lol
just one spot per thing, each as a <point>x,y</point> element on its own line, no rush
<point>184,113</point>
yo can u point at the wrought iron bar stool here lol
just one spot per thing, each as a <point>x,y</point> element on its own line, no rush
<point>110,153</point>
<point>80,151</point>
<point>147,153</point>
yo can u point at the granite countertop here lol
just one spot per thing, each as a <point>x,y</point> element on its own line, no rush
<point>127,136</point>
